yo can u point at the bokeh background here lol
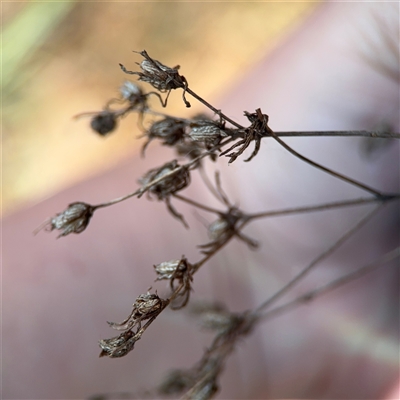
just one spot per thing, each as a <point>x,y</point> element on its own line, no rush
<point>60,59</point>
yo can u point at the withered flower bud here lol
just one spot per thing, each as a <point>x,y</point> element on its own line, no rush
<point>180,270</point>
<point>168,269</point>
<point>171,184</point>
<point>146,306</point>
<point>130,91</point>
<point>169,130</point>
<point>118,346</point>
<point>104,122</point>
<point>206,131</point>
<point>74,219</point>
<point>160,76</point>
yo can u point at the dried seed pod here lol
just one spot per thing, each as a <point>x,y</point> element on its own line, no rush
<point>160,76</point>
<point>146,306</point>
<point>169,130</point>
<point>180,270</point>
<point>74,219</point>
<point>171,184</point>
<point>104,122</point>
<point>118,346</point>
<point>130,91</point>
<point>206,131</point>
<point>168,269</point>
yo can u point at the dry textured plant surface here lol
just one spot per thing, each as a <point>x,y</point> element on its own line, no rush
<point>195,142</point>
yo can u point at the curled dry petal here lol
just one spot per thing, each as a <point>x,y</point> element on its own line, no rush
<point>74,219</point>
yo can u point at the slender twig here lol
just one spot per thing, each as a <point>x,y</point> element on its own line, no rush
<point>325,169</point>
<point>196,204</point>
<point>218,112</point>
<point>143,189</point>
<point>369,134</point>
<point>358,273</point>
<point>318,259</point>
<point>319,207</point>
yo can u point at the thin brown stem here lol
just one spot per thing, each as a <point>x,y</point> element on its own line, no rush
<point>218,112</point>
<point>196,204</point>
<point>370,134</point>
<point>320,207</point>
<point>325,169</point>
<point>318,259</point>
<point>352,276</point>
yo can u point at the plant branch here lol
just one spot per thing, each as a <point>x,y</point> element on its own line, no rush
<point>319,207</point>
<point>358,273</point>
<point>320,258</point>
<point>325,169</point>
<point>218,112</point>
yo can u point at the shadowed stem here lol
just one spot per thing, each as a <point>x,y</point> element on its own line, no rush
<point>218,112</point>
<point>320,258</point>
<point>358,273</point>
<point>325,169</point>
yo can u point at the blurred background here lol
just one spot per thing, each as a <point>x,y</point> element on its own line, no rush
<point>60,59</point>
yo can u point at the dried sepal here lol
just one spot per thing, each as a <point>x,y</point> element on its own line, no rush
<point>118,346</point>
<point>182,272</point>
<point>74,219</point>
<point>145,307</point>
<point>160,76</point>
<point>168,130</point>
<point>255,132</point>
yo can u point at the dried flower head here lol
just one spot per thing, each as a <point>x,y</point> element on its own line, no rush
<point>169,179</point>
<point>180,270</point>
<point>131,92</point>
<point>160,76</point>
<point>207,131</point>
<point>74,219</point>
<point>118,346</point>
<point>172,183</point>
<point>169,130</point>
<point>145,307</point>
<point>104,122</point>
<point>255,132</point>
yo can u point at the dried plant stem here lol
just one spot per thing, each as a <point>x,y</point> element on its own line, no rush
<point>320,207</point>
<point>352,276</point>
<point>218,112</point>
<point>196,204</point>
<point>325,169</point>
<point>368,134</point>
<point>320,258</point>
<point>143,189</point>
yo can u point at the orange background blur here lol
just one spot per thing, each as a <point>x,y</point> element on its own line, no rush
<point>60,59</point>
